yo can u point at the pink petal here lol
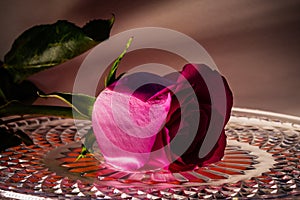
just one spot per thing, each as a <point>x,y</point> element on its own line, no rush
<point>126,127</point>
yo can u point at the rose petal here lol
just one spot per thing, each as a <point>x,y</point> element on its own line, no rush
<point>141,85</point>
<point>126,127</point>
<point>200,76</point>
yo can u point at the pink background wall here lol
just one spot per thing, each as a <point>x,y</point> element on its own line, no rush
<point>255,44</point>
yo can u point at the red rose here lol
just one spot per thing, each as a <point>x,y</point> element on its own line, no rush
<point>165,122</point>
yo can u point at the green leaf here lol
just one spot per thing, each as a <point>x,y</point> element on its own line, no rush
<point>12,138</point>
<point>112,73</point>
<point>81,103</point>
<point>2,97</point>
<point>44,46</point>
<point>17,108</point>
<point>8,139</point>
<point>99,29</point>
<point>26,92</point>
<point>24,137</point>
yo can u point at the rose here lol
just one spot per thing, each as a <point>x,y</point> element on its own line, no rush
<point>142,127</point>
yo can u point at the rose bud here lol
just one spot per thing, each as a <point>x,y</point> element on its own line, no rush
<point>146,122</point>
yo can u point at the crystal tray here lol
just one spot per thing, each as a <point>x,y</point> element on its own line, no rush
<point>261,161</point>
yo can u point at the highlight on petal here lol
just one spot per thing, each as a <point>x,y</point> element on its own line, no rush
<point>126,127</point>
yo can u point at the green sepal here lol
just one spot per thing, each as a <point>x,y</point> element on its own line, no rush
<point>112,72</point>
<point>87,146</point>
<point>82,154</point>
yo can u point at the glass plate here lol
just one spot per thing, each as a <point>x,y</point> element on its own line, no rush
<point>261,161</point>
